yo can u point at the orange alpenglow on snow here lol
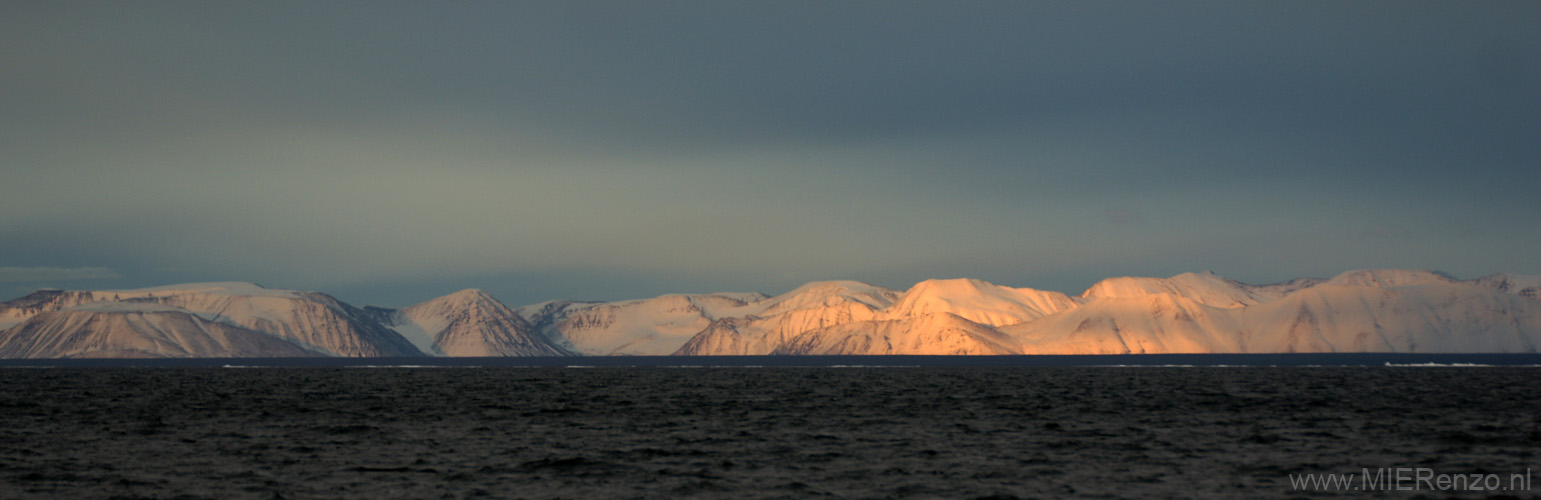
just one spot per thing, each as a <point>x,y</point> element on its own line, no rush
<point>1359,311</point>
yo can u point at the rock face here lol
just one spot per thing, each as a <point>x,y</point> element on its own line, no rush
<point>470,323</point>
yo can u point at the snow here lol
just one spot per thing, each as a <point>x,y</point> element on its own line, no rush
<point>303,318</point>
<point>645,327</point>
<point>1524,280</point>
<point>1149,324</point>
<point>419,336</point>
<point>121,329</point>
<point>126,307</point>
<point>225,288</point>
<point>819,293</point>
<point>1379,310</point>
<point>1518,284</point>
<point>759,328</point>
<point>1388,278</point>
<point>978,301</point>
<point>1374,311</point>
<point>930,334</point>
<point>1206,288</point>
<point>470,323</point>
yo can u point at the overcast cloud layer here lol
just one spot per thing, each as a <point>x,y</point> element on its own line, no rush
<point>391,152</point>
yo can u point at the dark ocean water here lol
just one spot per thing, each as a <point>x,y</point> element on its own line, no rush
<point>780,432</point>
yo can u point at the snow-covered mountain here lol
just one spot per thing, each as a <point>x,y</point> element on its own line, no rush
<point>18,310</point>
<point>1522,285</point>
<point>469,323</point>
<point>1395,312</point>
<point>311,320</point>
<point>936,333</point>
<point>465,323</point>
<point>1357,311</point>
<point>978,301</point>
<point>137,330</point>
<point>762,327</point>
<point>1152,323</point>
<point>953,316</point>
<point>1386,310</point>
<point>652,327</point>
<point>1205,288</point>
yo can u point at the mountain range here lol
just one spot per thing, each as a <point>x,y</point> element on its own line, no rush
<point>1385,310</point>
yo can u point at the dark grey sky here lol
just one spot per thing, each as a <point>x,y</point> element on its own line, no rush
<point>390,152</point>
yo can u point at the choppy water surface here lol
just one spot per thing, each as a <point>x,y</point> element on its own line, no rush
<point>747,432</point>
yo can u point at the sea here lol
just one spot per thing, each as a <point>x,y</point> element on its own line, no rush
<point>1173,426</point>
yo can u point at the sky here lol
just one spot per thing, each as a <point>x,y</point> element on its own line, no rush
<point>391,152</point>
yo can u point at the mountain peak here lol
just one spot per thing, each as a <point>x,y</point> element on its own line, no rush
<point>978,301</point>
<point>112,306</point>
<point>470,322</point>
<point>1518,284</point>
<point>1362,311</point>
<point>207,287</point>
<point>469,294</point>
<point>951,285</point>
<point>825,293</point>
<point>1389,278</point>
<point>834,287</point>
<point>1204,287</point>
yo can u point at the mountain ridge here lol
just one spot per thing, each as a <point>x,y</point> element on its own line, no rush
<point>1375,310</point>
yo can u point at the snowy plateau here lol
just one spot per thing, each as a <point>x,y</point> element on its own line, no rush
<point>1399,311</point>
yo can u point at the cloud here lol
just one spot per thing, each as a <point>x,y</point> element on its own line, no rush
<point>29,274</point>
<point>751,145</point>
